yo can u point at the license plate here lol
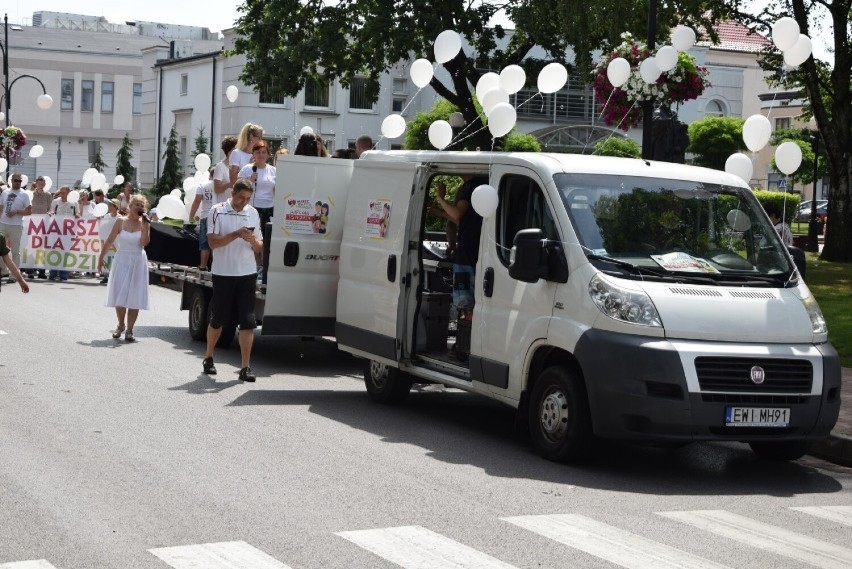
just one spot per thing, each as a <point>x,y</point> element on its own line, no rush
<point>757,417</point>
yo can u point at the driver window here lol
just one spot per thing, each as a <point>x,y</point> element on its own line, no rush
<point>522,206</point>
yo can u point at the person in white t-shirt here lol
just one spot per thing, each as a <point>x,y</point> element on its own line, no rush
<point>262,176</point>
<point>14,205</point>
<point>86,207</point>
<point>233,230</point>
<point>250,135</point>
<point>62,206</point>
<point>210,193</point>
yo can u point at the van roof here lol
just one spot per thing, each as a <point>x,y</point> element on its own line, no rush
<point>558,163</point>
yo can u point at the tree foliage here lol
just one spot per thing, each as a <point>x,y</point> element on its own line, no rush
<point>172,175</point>
<point>98,162</point>
<point>618,146</point>
<point>202,141</point>
<point>713,139</point>
<point>123,166</point>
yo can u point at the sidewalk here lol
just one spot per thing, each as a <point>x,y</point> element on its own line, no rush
<point>838,447</point>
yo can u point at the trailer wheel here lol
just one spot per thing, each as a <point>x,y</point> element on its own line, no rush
<point>780,450</point>
<point>198,314</point>
<point>559,418</point>
<point>385,384</point>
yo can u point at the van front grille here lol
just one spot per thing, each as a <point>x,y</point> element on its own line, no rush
<point>734,374</point>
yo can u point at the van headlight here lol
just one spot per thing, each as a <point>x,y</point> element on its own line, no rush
<point>815,314</point>
<point>622,304</point>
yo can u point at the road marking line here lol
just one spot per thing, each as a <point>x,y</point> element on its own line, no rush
<point>415,547</point>
<point>839,514</point>
<point>764,536</point>
<point>37,564</point>
<point>223,555</point>
<point>610,543</point>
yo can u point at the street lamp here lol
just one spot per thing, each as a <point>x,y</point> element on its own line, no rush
<point>44,101</point>
<point>648,105</point>
<point>813,230</point>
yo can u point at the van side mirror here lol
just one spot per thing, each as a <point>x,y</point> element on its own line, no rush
<point>534,257</point>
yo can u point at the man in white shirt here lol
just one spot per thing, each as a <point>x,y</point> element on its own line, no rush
<point>233,231</point>
<point>210,193</point>
<point>14,205</point>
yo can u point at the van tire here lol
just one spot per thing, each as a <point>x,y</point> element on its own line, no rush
<point>385,384</point>
<point>780,450</point>
<point>560,422</point>
<point>198,314</point>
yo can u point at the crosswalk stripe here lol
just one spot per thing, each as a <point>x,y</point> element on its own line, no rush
<point>415,547</point>
<point>764,536</point>
<point>223,555</point>
<point>839,514</point>
<point>610,543</point>
<point>36,564</point>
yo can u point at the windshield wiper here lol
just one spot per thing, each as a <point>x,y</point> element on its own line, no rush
<point>644,272</point>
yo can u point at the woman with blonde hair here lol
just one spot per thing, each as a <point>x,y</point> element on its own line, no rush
<point>127,290</point>
<point>250,135</point>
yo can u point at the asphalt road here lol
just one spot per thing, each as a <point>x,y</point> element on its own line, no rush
<point>117,455</point>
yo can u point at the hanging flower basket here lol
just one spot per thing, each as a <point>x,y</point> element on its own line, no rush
<point>12,139</point>
<point>685,82</point>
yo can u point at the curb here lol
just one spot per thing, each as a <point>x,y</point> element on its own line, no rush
<point>836,448</point>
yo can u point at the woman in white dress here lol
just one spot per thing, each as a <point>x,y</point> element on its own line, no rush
<point>127,290</point>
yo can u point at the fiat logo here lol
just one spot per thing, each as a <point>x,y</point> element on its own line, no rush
<point>757,375</point>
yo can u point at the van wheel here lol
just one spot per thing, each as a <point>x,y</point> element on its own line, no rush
<point>559,419</point>
<point>198,308</point>
<point>780,450</point>
<point>385,384</point>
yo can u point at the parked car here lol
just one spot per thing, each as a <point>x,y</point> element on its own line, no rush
<point>803,214</point>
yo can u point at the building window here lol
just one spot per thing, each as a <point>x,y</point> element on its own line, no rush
<point>67,103</point>
<point>782,123</point>
<point>317,93</point>
<point>358,99</point>
<point>87,96</point>
<point>107,92</point>
<point>398,104</point>
<point>715,108</point>
<point>184,83</point>
<point>266,97</point>
<point>400,86</point>
<point>137,98</point>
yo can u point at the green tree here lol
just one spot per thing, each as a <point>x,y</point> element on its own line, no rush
<point>98,163</point>
<point>172,175</point>
<point>123,167</point>
<point>713,139</point>
<point>201,145</point>
<point>349,40</point>
<point>618,146</point>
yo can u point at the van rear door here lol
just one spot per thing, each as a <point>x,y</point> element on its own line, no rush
<point>301,286</point>
<point>373,261</point>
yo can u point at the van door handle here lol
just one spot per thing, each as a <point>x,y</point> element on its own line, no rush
<point>392,268</point>
<point>488,282</point>
<point>291,254</point>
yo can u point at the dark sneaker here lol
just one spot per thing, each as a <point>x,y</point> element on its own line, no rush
<point>209,368</point>
<point>247,375</point>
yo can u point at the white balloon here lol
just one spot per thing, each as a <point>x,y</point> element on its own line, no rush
<point>201,176</point>
<point>73,196</point>
<point>487,82</point>
<point>649,70</point>
<point>189,196</point>
<point>484,200</point>
<point>740,165</point>
<point>800,52</point>
<point>552,77</point>
<point>440,134</point>
<point>618,71</point>
<point>2,116</point>
<point>306,130</point>
<point>87,175</point>
<point>175,193</point>
<point>24,180</point>
<point>785,33</point>
<point>788,157</point>
<point>44,102</point>
<point>447,45</point>
<point>666,58</point>
<point>502,119</point>
<point>36,151</point>
<point>738,220</point>
<point>48,183</point>
<point>683,38</point>
<point>106,187</point>
<point>171,207</point>
<point>421,72</point>
<point>97,180</point>
<point>3,162</point>
<point>513,78</point>
<point>393,126</point>
<point>232,93</point>
<point>189,182</point>
<point>202,162</point>
<point>118,180</point>
<point>756,132</point>
<point>492,98</point>
<point>100,209</point>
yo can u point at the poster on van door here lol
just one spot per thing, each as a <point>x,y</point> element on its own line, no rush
<point>306,216</point>
<point>378,218</point>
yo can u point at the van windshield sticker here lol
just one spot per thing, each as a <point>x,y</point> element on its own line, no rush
<point>378,218</point>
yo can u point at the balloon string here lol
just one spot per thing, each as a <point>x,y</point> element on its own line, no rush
<point>400,113</point>
<point>616,126</point>
<point>600,116</point>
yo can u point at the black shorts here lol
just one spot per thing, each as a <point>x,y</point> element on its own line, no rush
<point>233,301</point>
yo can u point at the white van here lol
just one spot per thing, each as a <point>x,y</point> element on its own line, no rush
<point>617,298</point>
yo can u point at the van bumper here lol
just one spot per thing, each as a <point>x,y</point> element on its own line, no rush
<point>638,391</point>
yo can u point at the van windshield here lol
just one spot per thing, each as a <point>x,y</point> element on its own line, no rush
<point>640,227</point>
